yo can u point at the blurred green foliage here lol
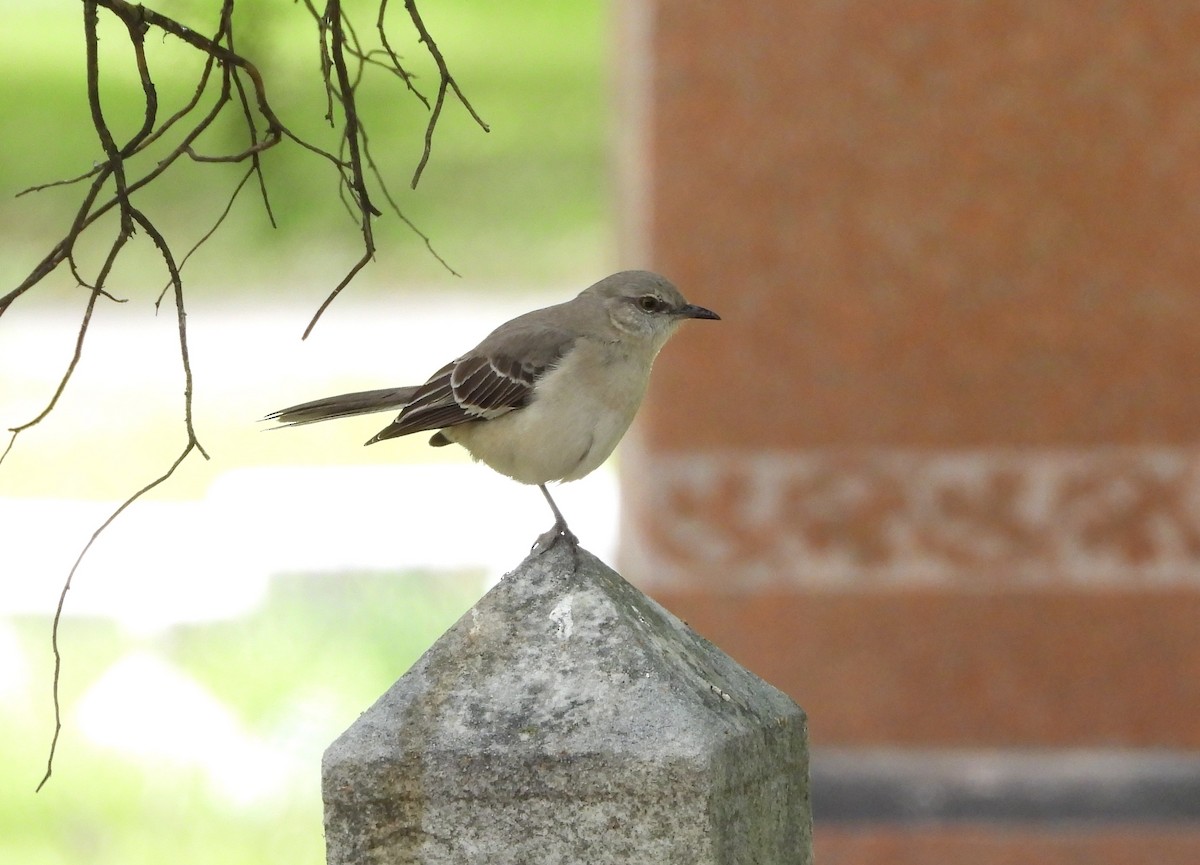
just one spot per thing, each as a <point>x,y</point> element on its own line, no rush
<point>526,202</point>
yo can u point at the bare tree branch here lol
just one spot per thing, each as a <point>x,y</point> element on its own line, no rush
<point>127,168</point>
<point>446,81</point>
<point>62,599</point>
<point>356,183</point>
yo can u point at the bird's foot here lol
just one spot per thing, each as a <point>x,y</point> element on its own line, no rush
<point>558,532</point>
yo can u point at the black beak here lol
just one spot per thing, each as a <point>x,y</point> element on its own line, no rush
<point>690,310</point>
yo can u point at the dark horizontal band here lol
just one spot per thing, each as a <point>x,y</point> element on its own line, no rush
<point>1005,786</point>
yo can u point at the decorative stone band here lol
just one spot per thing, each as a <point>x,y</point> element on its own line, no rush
<point>734,522</point>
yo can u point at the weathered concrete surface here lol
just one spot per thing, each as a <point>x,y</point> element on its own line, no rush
<point>568,718</point>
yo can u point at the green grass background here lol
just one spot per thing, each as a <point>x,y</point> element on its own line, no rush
<point>526,204</point>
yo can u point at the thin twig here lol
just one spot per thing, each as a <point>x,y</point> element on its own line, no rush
<point>180,320</point>
<point>406,76</point>
<point>193,443</point>
<point>62,598</point>
<point>208,234</point>
<point>358,265</point>
<point>412,226</point>
<point>118,244</point>
<point>357,182</point>
<point>446,81</point>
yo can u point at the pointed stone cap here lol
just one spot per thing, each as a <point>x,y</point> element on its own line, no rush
<point>568,718</point>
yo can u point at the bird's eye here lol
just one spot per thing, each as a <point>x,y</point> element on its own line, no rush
<point>648,303</point>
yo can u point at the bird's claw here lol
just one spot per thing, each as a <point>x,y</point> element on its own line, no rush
<point>556,533</point>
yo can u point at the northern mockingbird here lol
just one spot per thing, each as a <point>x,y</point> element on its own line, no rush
<point>546,396</point>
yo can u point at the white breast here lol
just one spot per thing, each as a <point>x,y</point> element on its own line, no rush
<point>579,413</point>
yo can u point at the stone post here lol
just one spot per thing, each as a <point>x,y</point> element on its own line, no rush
<point>568,718</point>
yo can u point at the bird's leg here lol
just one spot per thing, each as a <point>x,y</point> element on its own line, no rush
<point>559,530</point>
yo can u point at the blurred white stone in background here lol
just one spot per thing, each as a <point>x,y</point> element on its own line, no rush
<point>161,563</point>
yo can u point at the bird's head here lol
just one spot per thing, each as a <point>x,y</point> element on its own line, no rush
<point>640,303</point>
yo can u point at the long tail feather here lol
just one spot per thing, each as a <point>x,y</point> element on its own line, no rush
<point>344,405</point>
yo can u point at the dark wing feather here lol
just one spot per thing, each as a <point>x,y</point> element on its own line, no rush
<point>434,393</point>
<point>488,386</point>
<point>494,379</point>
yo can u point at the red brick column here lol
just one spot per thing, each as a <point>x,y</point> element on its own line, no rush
<point>937,472</point>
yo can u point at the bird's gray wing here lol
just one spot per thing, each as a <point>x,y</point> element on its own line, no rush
<point>493,379</point>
